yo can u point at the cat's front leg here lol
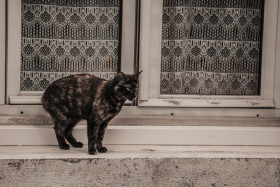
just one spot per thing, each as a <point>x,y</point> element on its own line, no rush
<point>101,132</point>
<point>92,132</point>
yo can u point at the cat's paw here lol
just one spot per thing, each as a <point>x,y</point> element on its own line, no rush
<point>92,151</point>
<point>102,150</point>
<point>78,145</point>
<point>64,146</point>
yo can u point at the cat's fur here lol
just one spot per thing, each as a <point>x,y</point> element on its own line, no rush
<point>85,96</point>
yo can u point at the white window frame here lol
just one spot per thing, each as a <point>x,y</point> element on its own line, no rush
<point>147,55</point>
<point>2,50</point>
<point>14,95</point>
<point>188,135</point>
<point>150,61</point>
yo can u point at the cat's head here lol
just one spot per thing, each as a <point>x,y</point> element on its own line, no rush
<point>126,85</point>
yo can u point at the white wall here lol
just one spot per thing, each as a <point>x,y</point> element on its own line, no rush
<point>277,68</point>
<point>2,51</point>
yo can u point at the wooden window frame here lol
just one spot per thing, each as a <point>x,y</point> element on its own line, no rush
<point>150,61</point>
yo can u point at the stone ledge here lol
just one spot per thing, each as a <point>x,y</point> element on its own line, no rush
<point>140,165</point>
<point>141,151</point>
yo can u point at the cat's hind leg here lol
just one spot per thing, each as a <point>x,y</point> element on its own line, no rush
<point>59,132</point>
<point>70,138</point>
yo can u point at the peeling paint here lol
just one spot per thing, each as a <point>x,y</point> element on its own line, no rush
<point>174,102</point>
<point>148,150</point>
<point>214,102</point>
<point>255,104</point>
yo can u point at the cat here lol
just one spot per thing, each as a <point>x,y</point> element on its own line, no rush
<point>83,96</point>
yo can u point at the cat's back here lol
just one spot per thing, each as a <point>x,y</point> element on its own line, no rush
<point>74,81</point>
<point>72,92</point>
<point>71,83</point>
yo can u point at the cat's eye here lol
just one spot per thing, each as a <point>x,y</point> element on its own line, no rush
<point>128,88</point>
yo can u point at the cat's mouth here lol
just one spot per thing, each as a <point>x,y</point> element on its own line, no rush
<point>132,98</point>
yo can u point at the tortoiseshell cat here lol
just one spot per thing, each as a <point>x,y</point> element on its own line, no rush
<point>84,96</point>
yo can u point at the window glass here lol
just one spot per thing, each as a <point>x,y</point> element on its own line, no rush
<point>60,38</point>
<point>211,47</point>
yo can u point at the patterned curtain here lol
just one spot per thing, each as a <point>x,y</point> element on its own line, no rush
<point>211,47</point>
<point>64,37</point>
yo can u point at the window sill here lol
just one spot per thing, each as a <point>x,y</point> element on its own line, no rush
<point>150,130</point>
<point>224,103</point>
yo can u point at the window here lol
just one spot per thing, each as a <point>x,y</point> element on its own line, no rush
<point>211,48</point>
<point>60,39</point>
<point>153,100</point>
<point>156,92</point>
<point>51,40</point>
<point>150,57</point>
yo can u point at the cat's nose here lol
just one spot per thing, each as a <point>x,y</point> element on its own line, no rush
<point>136,91</point>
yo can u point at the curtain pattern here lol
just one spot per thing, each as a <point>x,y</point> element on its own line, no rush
<point>64,37</point>
<point>211,47</point>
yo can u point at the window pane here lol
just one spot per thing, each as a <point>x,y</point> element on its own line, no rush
<point>64,37</point>
<point>211,47</point>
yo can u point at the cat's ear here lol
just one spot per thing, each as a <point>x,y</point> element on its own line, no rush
<point>120,78</point>
<point>138,73</point>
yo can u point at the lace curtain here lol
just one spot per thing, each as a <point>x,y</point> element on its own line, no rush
<point>64,37</point>
<point>211,47</point>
